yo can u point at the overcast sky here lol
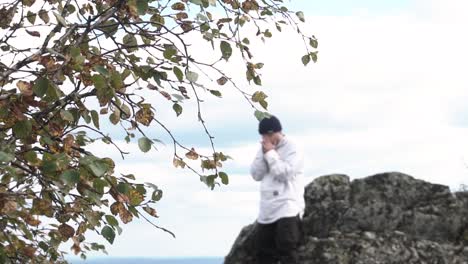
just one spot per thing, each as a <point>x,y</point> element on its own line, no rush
<point>389,93</point>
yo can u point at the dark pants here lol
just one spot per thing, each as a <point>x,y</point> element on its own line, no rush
<point>279,241</point>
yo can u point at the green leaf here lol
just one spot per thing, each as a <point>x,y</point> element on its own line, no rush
<point>130,41</point>
<point>224,178</point>
<point>75,51</point>
<point>142,6</point>
<point>306,59</point>
<point>115,117</point>
<point>41,86</point>
<point>70,9</point>
<point>177,109</point>
<point>28,2</point>
<point>99,185</point>
<point>95,118</point>
<point>6,157</point>
<point>258,96</point>
<point>300,15</point>
<point>226,49</point>
<point>264,104</point>
<point>313,43</point>
<point>109,27</point>
<point>99,81</point>
<point>157,195</point>
<point>44,16</point>
<point>116,81</point>
<point>108,233</point>
<point>314,56</point>
<point>192,76</point>
<point>216,93</point>
<point>197,2</point>
<point>257,80</point>
<point>261,115</point>
<point>169,52</point>
<point>67,115</point>
<point>30,156</point>
<point>178,73</point>
<point>158,20</point>
<point>102,70</point>
<point>96,166</point>
<point>144,144</point>
<point>70,177</point>
<point>60,19</point>
<point>22,129</point>
<point>31,17</point>
<point>123,188</point>
<point>111,220</point>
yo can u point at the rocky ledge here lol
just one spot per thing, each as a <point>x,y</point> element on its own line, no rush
<point>385,218</point>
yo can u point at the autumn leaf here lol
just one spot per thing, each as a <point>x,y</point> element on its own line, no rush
<point>222,81</point>
<point>178,163</point>
<point>66,231</point>
<point>178,6</point>
<point>125,216</point>
<point>33,33</point>
<point>25,88</point>
<point>145,115</point>
<point>192,154</point>
<point>150,211</point>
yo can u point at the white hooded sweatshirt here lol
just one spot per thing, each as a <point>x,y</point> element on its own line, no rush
<point>281,172</point>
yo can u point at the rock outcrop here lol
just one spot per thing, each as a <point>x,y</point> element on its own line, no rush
<point>385,218</point>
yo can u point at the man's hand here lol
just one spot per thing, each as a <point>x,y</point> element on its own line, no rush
<point>267,145</point>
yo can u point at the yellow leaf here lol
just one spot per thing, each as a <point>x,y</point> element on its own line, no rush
<point>25,88</point>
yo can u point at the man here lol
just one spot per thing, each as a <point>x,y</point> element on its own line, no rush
<point>279,167</point>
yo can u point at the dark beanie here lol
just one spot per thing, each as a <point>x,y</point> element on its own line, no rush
<point>269,125</point>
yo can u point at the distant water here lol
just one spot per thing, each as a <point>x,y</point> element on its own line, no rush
<point>110,260</point>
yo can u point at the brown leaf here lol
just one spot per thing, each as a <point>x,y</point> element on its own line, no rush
<point>119,197</point>
<point>186,26</point>
<point>55,129</point>
<point>66,231</point>
<point>18,113</point>
<point>178,163</point>
<point>68,143</point>
<point>125,216</point>
<point>76,249</point>
<point>151,211</point>
<point>25,88</point>
<point>222,81</point>
<point>249,5</point>
<point>181,16</point>
<point>30,220</point>
<point>42,207</point>
<point>33,33</point>
<point>81,228</point>
<point>29,251</point>
<point>8,207</point>
<point>144,115</point>
<point>192,154</point>
<point>116,208</point>
<point>166,95</point>
<point>178,6</point>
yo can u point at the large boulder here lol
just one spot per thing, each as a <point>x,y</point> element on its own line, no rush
<point>385,218</point>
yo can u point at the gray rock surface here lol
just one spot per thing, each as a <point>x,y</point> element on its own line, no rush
<point>385,218</point>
